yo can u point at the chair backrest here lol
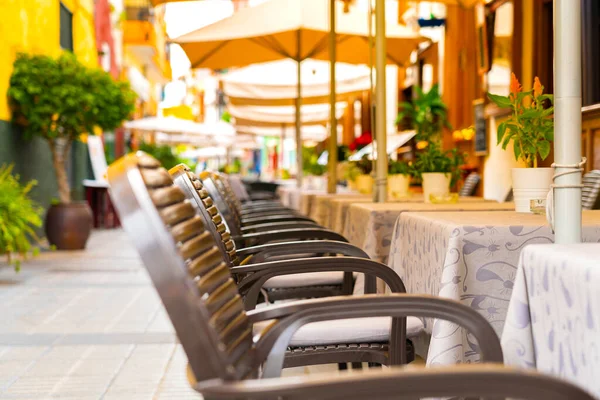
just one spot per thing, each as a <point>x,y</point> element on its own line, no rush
<point>195,192</point>
<point>224,204</point>
<point>471,184</point>
<point>591,191</point>
<point>97,157</point>
<point>238,187</point>
<point>186,267</point>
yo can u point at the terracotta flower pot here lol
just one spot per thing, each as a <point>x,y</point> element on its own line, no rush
<point>68,226</point>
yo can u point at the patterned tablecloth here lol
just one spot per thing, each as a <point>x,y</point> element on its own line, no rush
<point>553,320</point>
<point>320,210</point>
<point>338,208</point>
<point>470,257</point>
<point>370,225</point>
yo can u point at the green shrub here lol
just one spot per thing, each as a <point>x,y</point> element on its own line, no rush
<point>58,99</point>
<point>19,216</point>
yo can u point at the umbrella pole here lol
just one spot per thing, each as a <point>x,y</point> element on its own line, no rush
<point>298,118</point>
<point>332,178</point>
<point>567,115</point>
<point>380,117</point>
<point>281,152</point>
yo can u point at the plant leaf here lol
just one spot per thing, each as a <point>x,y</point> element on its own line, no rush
<point>516,150</point>
<point>500,101</point>
<point>501,131</point>
<point>543,149</point>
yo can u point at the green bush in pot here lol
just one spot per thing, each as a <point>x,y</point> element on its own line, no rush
<point>19,217</point>
<point>439,170</point>
<point>59,99</point>
<point>426,113</point>
<point>400,173</point>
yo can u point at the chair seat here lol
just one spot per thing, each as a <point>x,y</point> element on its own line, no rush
<point>308,279</point>
<point>352,330</point>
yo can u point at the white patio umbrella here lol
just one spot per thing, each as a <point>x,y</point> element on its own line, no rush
<point>310,114</point>
<point>275,83</point>
<point>172,124</point>
<point>296,29</point>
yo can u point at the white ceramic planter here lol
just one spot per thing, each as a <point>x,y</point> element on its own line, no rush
<point>530,184</point>
<point>364,184</point>
<point>436,183</point>
<point>398,186</point>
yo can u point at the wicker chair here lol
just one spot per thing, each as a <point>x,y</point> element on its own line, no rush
<point>591,191</point>
<point>286,286</point>
<point>227,362</point>
<point>470,186</point>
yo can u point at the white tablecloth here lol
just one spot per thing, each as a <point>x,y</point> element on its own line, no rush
<point>553,321</point>
<point>321,208</point>
<point>470,257</point>
<point>370,225</point>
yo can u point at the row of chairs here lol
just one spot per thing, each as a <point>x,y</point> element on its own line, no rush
<point>214,259</point>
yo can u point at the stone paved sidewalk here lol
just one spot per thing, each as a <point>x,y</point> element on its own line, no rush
<point>87,325</point>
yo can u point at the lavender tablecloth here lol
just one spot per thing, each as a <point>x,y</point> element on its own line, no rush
<point>370,225</point>
<point>470,257</point>
<point>553,321</point>
<point>321,207</point>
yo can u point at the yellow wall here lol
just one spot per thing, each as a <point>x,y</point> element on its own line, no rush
<point>33,26</point>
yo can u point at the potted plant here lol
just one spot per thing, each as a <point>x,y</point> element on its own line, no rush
<point>19,217</point>
<point>399,175</point>
<point>439,170</point>
<point>59,99</point>
<point>312,169</point>
<point>427,114</point>
<point>530,127</point>
<point>361,171</point>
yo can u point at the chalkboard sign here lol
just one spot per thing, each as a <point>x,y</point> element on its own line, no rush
<point>481,139</point>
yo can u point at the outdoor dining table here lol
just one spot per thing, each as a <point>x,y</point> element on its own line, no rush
<point>370,225</point>
<point>337,208</point>
<point>471,257</point>
<point>321,209</point>
<point>307,198</point>
<point>553,323</point>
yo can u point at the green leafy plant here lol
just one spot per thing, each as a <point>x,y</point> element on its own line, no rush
<point>530,125</point>
<point>310,164</point>
<point>58,99</point>
<point>226,116</point>
<point>165,154</point>
<point>19,216</point>
<point>427,114</point>
<point>433,159</point>
<point>400,168</point>
<point>364,165</point>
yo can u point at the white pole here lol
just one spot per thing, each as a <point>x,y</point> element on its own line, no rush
<point>380,117</point>
<point>332,170</point>
<point>567,119</point>
<point>298,122</point>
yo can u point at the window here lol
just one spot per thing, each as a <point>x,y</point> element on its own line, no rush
<point>66,28</point>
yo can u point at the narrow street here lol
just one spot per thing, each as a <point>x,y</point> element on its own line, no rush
<point>87,325</point>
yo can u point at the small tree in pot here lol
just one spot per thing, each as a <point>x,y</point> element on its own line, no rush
<point>530,127</point>
<point>58,99</point>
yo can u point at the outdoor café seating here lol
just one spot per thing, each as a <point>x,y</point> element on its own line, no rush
<point>208,314</point>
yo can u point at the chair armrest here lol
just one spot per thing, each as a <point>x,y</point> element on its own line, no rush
<point>457,381</point>
<point>283,234</point>
<point>258,274</point>
<point>272,345</point>
<point>271,226</point>
<point>275,218</point>
<point>264,252</point>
